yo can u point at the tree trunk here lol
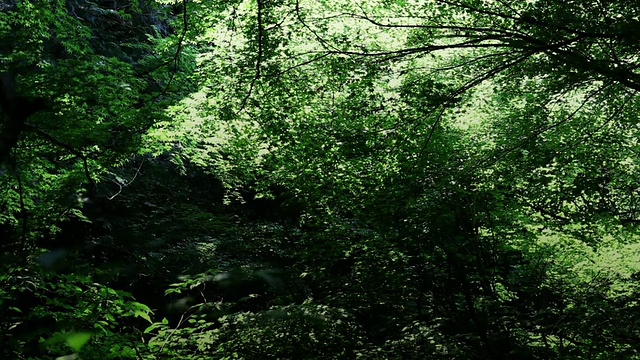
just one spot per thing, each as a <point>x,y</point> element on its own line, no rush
<point>15,111</point>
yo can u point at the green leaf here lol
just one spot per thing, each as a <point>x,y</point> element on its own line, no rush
<point>140,310</point>
<point>76,340</point>
<point>157,325</point>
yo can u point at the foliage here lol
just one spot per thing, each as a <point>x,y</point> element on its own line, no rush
<point>295,331</point>
<point>449,179</point>
<point>86,81</point>
<point>47,314</point>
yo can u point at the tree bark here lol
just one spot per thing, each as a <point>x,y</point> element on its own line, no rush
<point>15,110</point>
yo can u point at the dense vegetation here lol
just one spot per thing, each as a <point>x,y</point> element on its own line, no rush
<point>261,179</point>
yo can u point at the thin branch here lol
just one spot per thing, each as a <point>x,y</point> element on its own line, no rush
<point>260,38</point>
<point>506,4</point>
<point>23,208</point>
<point>464,88</point>
<point>71,149</point>
<point>554,215</point>
<point>480,11</point>
<point>473,61</point>
<point>304,63</point>
<point>258,58</point>
<point>174,330</point>
<point>432,26</point>
<point>610,118</point>
<point>126,183</point>
<point>495,159</point>
<point>581,62</point>
<point>176,58</point>
<point>324,43</point>
<point>279,23</point>
<point>470,44</point>
<point>135,347</point>
<point>528,20</point>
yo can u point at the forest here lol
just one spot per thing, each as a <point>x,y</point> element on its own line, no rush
<point>320,179</point>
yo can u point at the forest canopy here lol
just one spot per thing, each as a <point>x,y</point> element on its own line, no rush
<point>260,179</point>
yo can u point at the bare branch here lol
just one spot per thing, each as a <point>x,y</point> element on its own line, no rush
<point>123,185</point>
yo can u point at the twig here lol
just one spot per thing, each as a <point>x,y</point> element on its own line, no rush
<point>258,59</point>
<point>543,130</point>
<point>127,183</point>
<point>174,330</point>
<point>461,90</point>
<point>71,149</point>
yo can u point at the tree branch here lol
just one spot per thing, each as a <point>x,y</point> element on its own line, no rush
<point>461,90</point>
<point>92,184</point>
<point>258,57</point>
<point>14,110</point>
